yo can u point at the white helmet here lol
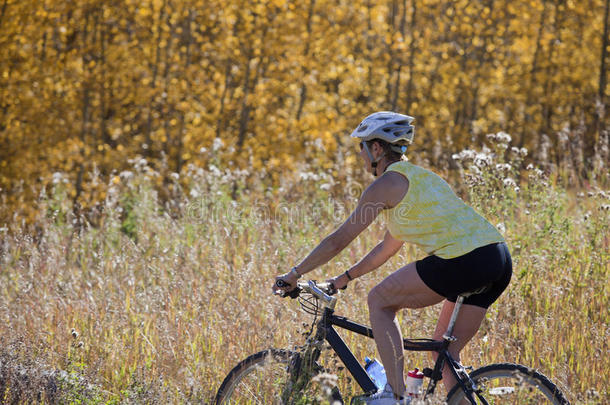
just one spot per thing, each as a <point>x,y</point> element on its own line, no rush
<point>394,128</point>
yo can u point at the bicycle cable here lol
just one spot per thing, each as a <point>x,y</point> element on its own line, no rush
<point>310,305</point>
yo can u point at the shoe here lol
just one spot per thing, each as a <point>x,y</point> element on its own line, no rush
<point>382,397</point>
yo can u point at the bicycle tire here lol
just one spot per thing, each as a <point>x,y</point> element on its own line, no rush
<point>507,383</point>
<point>270,384</point>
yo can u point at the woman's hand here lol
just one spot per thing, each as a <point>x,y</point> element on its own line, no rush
<point>339,282</point>
<point>288,278</point>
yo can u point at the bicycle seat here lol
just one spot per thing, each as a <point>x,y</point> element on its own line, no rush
<point>479,290</point>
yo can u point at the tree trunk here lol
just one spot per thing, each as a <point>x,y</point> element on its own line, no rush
<point>2,12</point>
<point>547,108</point>
<point>403,24</point>
<point>187,64</point>
<point>153,83</point>
<point>303,91</point>
<point>393,6</point>
<point>532,78</point>
<point>168,110</point>
<point>409,100</point>
<point>605,44</point>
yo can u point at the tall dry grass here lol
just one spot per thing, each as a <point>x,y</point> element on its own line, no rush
<point>165,294</point>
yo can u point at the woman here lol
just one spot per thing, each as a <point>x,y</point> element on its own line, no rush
<point>464,250</point>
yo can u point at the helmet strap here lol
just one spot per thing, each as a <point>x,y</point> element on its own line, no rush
<point>373,160</point>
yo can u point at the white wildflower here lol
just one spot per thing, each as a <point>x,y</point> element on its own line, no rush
<point>215,170</point>
<point>194,193</point>
<point>325,186</point>
<point>529,167</point>
<point>508,182</point>
<point>218,143</point>
<point>467,154</point>
<point>175,176</point>
<point>482,159</point>
<point>523,152</point>
<point>242,173</point>
<point>57,176</point>
<point>564,135</point>
<point>501,227</point>
<point>309,176</point>
<point>503,167</point>
<point>503,137</point>
<point>203,150</point>
<point>475,170</point>
<point>126,175</point>
<point>140,163</point>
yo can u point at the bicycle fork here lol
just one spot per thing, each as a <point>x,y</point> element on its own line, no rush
<point>301,369</point>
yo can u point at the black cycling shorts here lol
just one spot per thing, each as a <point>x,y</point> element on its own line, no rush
<point>487,265</point>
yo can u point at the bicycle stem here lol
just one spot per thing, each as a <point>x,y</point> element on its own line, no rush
<point>321,295</point>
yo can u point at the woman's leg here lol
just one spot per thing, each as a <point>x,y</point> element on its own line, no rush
<point>401,289</point>
<point>466,326</point>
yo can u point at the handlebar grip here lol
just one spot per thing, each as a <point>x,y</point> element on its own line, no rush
<point>333,290</point>
<point>294,293</point>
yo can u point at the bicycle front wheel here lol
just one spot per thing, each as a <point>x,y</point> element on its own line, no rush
<point>268,377</point>
<point>506,383</point>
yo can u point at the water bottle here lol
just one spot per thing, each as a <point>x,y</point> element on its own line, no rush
<point>376,372</point>
<point>415,382</point>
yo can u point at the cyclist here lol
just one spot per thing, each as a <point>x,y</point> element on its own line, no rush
<point>465,251</point>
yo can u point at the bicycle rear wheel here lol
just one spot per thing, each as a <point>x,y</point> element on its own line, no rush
<point>506,383</point>
<point>268,377</point>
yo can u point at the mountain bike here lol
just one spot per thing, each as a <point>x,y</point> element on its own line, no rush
<point>275,376</point>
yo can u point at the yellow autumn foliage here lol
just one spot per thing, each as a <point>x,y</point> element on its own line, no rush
<point>85,86</point>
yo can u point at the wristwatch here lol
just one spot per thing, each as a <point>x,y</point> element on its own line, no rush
<point>295,273</point>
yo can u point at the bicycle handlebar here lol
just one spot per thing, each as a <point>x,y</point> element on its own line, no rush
<point>322,291</point>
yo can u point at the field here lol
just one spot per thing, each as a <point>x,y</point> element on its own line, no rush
<point>158,300</point>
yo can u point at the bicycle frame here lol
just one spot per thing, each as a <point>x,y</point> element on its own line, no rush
<point>325,331</point>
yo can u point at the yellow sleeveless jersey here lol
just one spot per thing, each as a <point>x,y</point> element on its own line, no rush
<point>433,217</point>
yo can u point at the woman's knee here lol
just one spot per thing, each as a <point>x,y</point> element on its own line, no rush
<point>376,299</point>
